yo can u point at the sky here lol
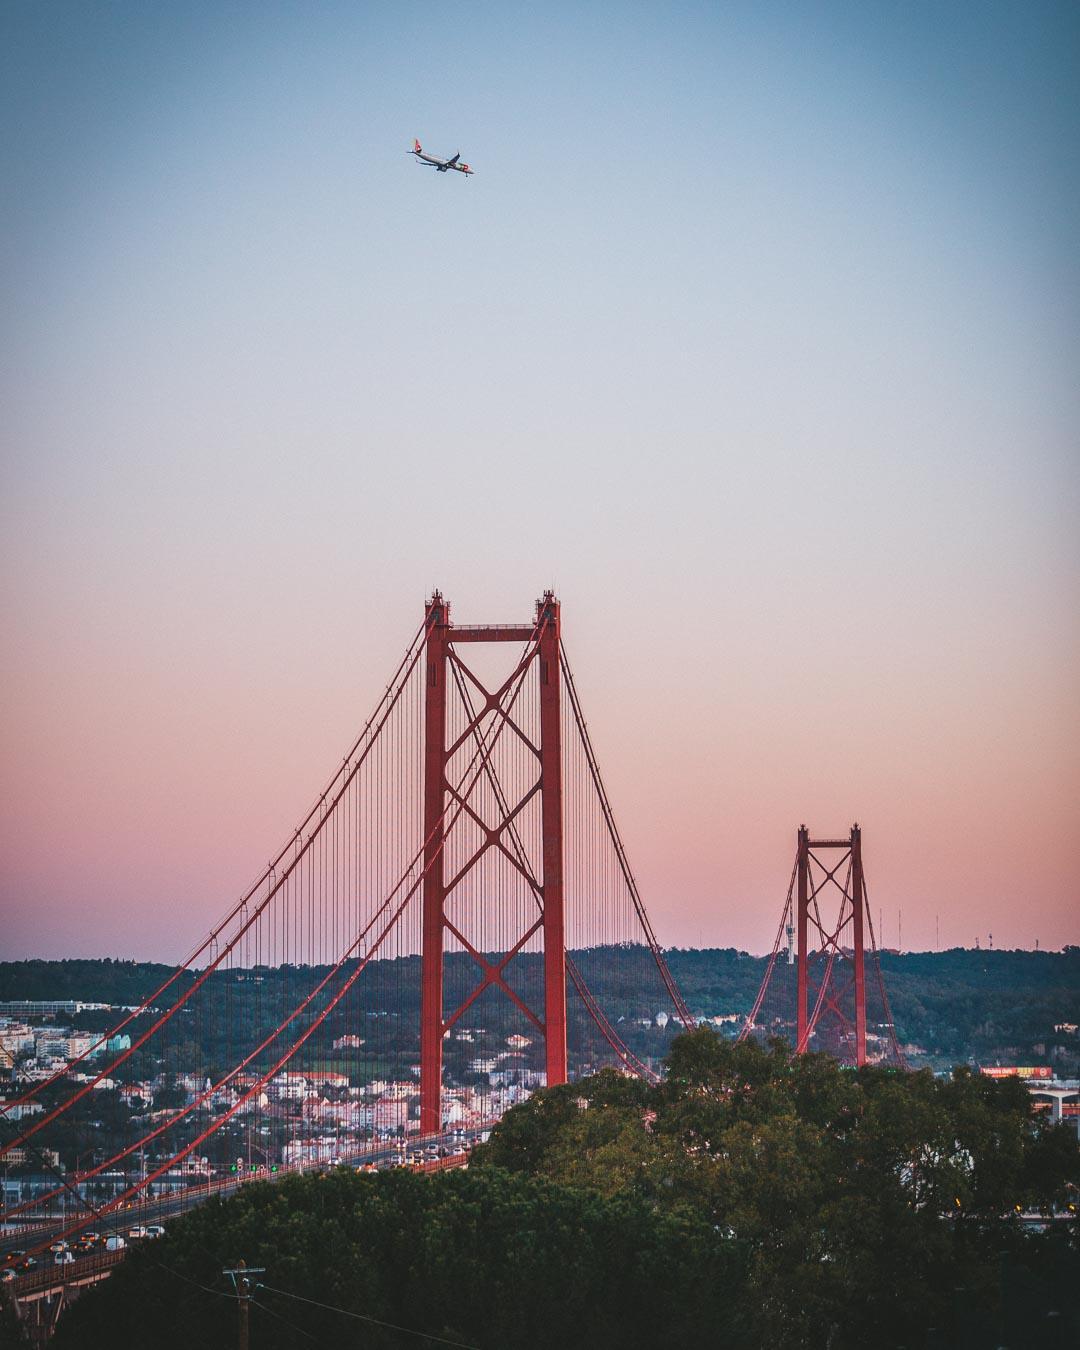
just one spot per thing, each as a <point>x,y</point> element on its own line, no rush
<point>754,335</point>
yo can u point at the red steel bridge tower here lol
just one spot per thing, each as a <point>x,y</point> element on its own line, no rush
<point>827,920</point>
<point>831,1000</point>
<point>541,641</point>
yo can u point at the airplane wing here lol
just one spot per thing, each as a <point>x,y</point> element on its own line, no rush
<point>440,164</point>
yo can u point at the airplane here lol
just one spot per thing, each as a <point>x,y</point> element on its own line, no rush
<point>441,164</point>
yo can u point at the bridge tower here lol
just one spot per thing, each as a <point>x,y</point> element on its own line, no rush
<point>814,993</point>
<point>830,988</point>
<point>444,802</point>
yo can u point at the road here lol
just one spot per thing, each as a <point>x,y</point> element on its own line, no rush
<point>35,1236</point>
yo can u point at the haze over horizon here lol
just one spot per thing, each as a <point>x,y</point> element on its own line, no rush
<point>754,335</point>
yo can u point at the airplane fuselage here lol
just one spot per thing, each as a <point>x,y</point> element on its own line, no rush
<point>440,165</point>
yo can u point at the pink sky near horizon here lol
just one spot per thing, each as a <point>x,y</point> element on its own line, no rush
<point>791,429</point>
<point>171,784</point>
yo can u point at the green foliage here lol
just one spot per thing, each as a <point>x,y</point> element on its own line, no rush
<point>989,1005</point>
<point>965,1002</point>
<point>92,981</point>
<point>487,1258</point>
<point>864,1199</point>
<point>12,1329</point>
<point>752,1198</point>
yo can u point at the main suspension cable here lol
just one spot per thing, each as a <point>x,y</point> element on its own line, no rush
<point>392,692</point>
<point>482,754</point>
<point>683,1011</point>
<point>252,918</point>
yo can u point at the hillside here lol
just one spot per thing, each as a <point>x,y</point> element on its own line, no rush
<point>961,1004</point>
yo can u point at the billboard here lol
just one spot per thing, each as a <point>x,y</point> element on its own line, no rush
<point>1014,1071</point>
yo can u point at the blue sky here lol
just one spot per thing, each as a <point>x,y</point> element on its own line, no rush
<point>755,333</point>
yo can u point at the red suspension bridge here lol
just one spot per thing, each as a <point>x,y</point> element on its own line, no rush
<point>453,923</point>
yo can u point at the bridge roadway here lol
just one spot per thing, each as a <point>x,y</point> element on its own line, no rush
<point>43,1293</point>
<point>50,1281</point>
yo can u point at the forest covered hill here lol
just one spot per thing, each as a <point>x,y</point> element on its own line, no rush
<point>961,1004</point>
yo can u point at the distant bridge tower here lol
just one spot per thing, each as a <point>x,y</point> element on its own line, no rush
<point>830,990</point>
<point>814,991</point>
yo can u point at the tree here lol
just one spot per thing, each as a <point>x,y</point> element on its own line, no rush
<point>864,1198</point>
<point>490,1259</point>
<point>12,1329</point>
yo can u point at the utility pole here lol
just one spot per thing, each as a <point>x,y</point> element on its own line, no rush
<point>243,1285</point>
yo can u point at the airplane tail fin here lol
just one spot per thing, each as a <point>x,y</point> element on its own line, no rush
<point>416,147</point>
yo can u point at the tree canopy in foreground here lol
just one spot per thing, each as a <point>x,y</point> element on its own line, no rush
<point>750,1199</point>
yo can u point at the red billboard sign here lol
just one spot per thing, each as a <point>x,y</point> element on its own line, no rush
<point>1015,1071</point>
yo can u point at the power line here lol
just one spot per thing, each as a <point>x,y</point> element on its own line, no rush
<point>363,1317</point>
<point>264,1307</point>
<point>217,1293</point>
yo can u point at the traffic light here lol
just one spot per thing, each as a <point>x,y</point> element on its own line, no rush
<point>253,1167</point>
<point>273,1167</point>
<point>232,1168</point>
